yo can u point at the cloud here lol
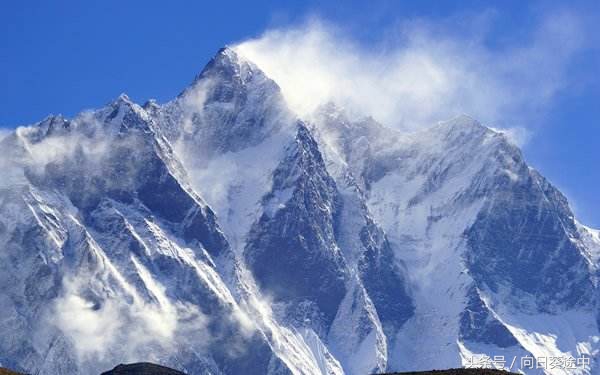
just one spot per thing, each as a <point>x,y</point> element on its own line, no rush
<point>422,72</point>
<point>61,147</point>
<point>88,151</point>
<point>125,328</point>
<point>516,135</point>
<point>4,133</point>
<point>92,329</point>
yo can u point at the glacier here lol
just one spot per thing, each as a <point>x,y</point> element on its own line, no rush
<point>219,233</point>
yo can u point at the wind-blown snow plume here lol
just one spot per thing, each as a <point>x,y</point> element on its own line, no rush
<point>99,330</point>
<point>4,133</point>
<point>422,73</point>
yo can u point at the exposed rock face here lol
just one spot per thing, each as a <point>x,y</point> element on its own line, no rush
<point>142,369</point>
<point>4,371</point>
<point>458,371</point>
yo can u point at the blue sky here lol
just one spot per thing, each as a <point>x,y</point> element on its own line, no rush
<point>65,56</point>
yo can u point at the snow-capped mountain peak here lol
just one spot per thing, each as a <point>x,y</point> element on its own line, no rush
<point>218,233</point>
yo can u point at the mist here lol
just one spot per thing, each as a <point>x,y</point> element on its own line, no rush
<point>421,72</point>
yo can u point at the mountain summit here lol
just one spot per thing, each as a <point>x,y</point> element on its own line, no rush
<point>219,233</point>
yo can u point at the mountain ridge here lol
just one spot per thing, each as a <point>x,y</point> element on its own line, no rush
<point>327,245</point>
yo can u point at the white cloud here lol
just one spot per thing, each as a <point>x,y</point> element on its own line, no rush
<point>516,135</point>
<point>92,330</point>
<point>125,329</point>
<point>4,133</point>
<point>61,147</point>
<point>27,152</point>
<point>423,73</point>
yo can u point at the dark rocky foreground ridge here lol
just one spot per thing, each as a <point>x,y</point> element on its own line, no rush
<point>455,371</point>
<point>144,368</point>
<point>4,371</point>
<point>152,369</point>
<point>141,368</point>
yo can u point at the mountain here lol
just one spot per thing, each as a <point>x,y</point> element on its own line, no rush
<point>142,369</point>
<point>219,233</point>
<point>458,371</point>
<point>4,371</point>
